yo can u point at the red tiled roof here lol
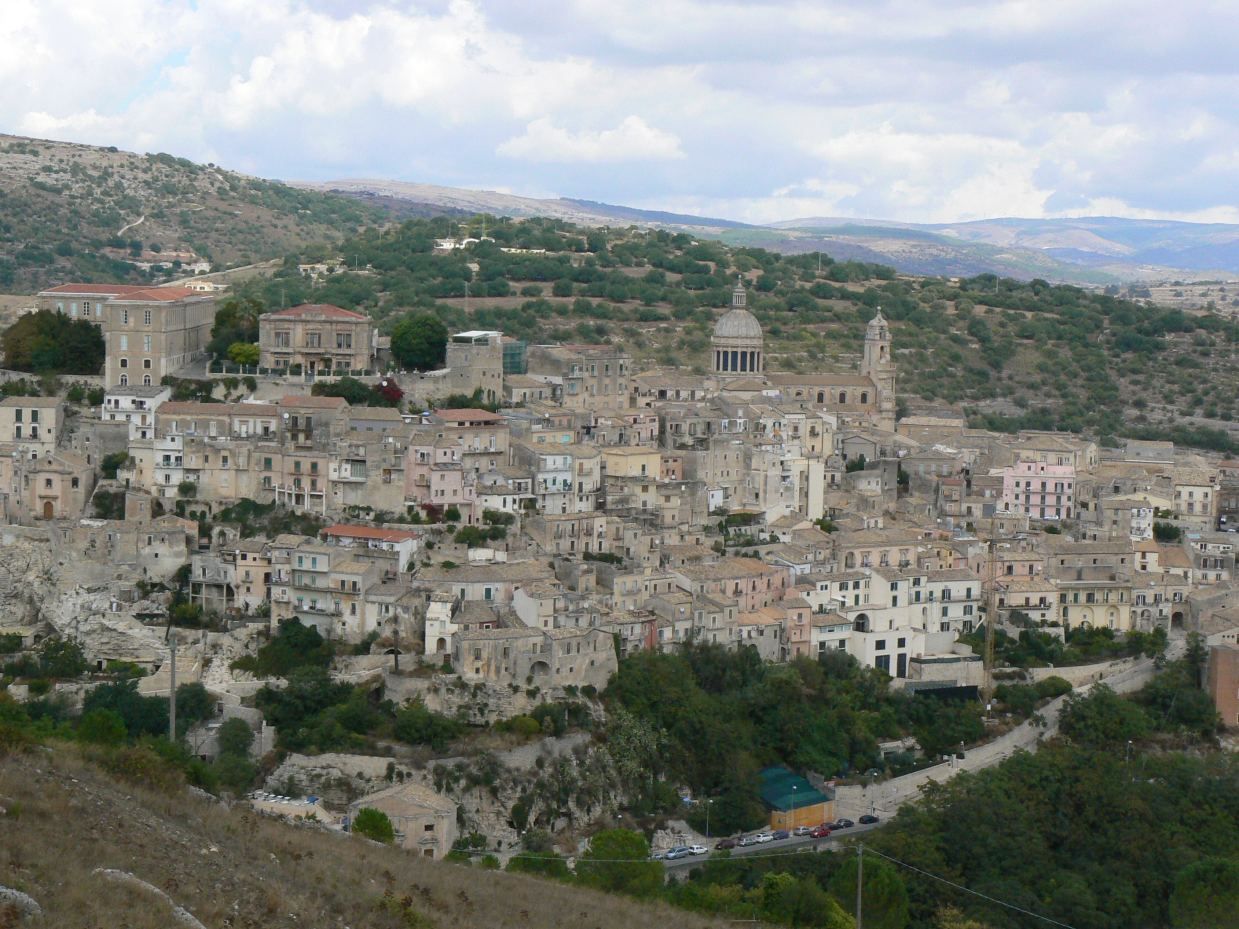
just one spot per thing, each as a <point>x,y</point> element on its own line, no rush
<point>307,400</point>
<point>161,294</point>
<point>318,309</point>
<point>101,290</point>
<point>369,532</point>
<point>468,415</point>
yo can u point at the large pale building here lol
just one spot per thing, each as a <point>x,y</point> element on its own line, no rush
<point>318,337</point>
<point>154,332</point>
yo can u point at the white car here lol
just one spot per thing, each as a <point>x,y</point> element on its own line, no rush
<point>763,837</point>
<point>697,849</point>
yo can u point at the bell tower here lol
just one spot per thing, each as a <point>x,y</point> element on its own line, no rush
<point>879,366</point>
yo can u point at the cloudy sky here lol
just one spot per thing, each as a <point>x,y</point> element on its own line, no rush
<point>921,110</point>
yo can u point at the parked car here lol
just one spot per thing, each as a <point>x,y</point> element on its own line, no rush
<point>802,830</point>
<point>697,849</point>
<point>843,824</point>
<point>680,851</point>
<point>763,837</point>
<point>725,843</point>
<point>821,832</point>
<point>868,819</point>
<point>747,840</point>
<point>779,834</point>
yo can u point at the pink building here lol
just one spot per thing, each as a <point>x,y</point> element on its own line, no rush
<point>1039,490</point>
<point>753,584</point>
<point>434,474</point>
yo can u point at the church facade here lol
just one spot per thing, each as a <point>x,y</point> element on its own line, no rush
<point>738,363</point>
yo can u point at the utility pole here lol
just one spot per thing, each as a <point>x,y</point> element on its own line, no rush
<point>860,876</point>
<point>172,686</point>
<point>991,614</point>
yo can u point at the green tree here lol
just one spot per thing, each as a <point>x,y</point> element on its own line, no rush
<point>243,353</point>
<point>236,321</point>
<point>419,726</point>
<point>235,737</point>
<point>142,715</point>
<point>884,898</point>
<point>618,861</point>
<point>374,824</point>
<point>61,658</point>
<point>47,342</point>
<point>236,772</point>
<point>1206,895</point>
<point>102,727</point>
<point>193,705</point>
<point>419,341</point>
<point>294,646</point>
<point>1101,718</point>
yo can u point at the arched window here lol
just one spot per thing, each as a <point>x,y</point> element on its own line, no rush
<point>864,397</point>
<point>821,396</point>
<point>146,380</point>
<point>124,380</point>
<point>843,396</point>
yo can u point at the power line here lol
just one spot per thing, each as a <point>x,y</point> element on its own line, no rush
<point>777,854</point>
<point>783,854</point>
<point>975,893</point>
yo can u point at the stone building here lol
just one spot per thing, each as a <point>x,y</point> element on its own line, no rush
<point>737,343</point>
<point>152,333</point>
<point>317,337</point>
<point>424,821</point>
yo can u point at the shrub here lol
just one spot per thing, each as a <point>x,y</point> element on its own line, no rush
<point>419,726</point>
<point>102,727</point>
<point>374,824</point>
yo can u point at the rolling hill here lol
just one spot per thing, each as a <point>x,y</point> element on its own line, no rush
<point>79,212</point>
<point>1096,251</point>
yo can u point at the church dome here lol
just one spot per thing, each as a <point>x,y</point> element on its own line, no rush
<point>737,324</point>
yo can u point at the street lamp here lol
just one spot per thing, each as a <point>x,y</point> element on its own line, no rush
<point>709,803</point>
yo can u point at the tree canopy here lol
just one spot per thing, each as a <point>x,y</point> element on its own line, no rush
<point>419,341</point>
<point>52,343</point>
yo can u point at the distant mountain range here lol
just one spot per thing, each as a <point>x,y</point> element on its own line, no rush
<point>1087,250</point>
<point>81,212</point>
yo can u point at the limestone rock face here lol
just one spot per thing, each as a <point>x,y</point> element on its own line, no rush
<point>43,583</point>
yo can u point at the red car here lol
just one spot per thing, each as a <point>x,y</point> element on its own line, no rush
<point>821,832</point>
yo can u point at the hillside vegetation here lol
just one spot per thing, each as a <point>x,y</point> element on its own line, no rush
<point>61,818</point>
<point>76,212</point>
<point>1012,354</point>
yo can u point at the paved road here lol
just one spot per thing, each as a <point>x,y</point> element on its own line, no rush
<point>885,798</point>
<point>790,846</point>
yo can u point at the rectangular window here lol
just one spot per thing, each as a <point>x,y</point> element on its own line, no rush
<point>344,340</point>
<point>146,343</point>
<point>146,317</point>
<point>124,342</point>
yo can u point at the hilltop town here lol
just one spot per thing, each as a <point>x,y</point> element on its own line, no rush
<point>400,582</point>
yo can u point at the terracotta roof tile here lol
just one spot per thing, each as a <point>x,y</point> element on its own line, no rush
<point>326,310</point>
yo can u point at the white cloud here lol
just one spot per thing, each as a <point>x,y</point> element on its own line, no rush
<point>632,140</point>
<point>903,109</point>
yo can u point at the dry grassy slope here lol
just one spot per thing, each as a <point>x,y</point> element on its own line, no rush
<point>60,204</point>
<point>230,868</point>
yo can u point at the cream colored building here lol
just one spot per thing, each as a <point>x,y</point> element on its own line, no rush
<point>152,333</point>
<point>30,425</point>
<point>319,337</point>
<point>424,821</point>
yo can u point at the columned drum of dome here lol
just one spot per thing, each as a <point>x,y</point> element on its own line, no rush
<point>737,340</point>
